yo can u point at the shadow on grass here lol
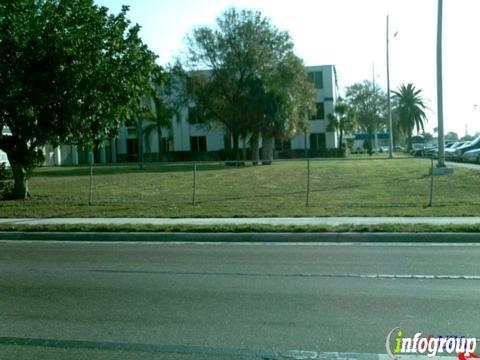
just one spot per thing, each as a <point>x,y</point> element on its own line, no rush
<point>357,186</point>
<point>125,169</point>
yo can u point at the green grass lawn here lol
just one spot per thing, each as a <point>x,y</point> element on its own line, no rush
<point>361,187</point>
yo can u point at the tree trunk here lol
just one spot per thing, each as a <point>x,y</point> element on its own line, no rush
<point>244,148</point>
<point>305,144</point>
<point>267,150</point>
<point>228,141</point>
<point>20,188</point>
<point>113,148</point>
<point>140,142</point>
<point>370,144</point>
<point>409,142</point>
<point>235,147</point>
<point>159,134</point>
<point>91,161</point>
<point>254,148</point>
<point>340,141</point>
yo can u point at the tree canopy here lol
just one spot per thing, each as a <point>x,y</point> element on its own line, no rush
<point>369,103</point>
<point>244,76</point>
<point>451,136</point>
<point>410,108</point>
<point>69,72</point>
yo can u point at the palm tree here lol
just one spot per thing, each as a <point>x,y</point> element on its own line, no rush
<point>159,116</point>
<point>410,109</point>
<point>342,120</point>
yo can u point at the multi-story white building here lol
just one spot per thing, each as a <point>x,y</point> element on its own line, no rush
<point>189,140</point>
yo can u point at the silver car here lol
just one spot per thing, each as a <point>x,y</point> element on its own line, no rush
<point>472,156</point>
<point>450,152</point>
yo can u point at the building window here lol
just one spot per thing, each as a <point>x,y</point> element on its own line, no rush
<point>194,116</point>
<point>317,141</point>
<point>167,145</point>
<point>282,145</point>
<point>198,143</point>
<point>132,146</point>
<point>316,77</point>
<point>320,113</point>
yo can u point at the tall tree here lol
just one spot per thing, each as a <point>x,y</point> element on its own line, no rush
<point>451,136</point>
<point>69,72</point>
<point>161,105</point>
<point>410,108</point>
<point>427,136</point>
<point>236,72</point>
<point>369,103</point>
<point>342,120</point>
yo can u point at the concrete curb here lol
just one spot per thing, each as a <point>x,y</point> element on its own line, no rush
<point>243,237</point>
<point>298,221</point>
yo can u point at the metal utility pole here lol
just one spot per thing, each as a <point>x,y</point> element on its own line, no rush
<point>375,136</point>
<point>441,138</point>
<point>390,126</point>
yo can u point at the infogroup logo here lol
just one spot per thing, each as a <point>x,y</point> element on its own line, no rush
<point>397,343</point>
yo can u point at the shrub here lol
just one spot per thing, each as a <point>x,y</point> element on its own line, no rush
<point>6,180</point>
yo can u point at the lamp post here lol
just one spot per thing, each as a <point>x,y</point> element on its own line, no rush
<point>390,125</point>
<point>441,139</point>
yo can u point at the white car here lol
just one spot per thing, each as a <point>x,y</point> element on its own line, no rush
<point>4,158</point>
<point>472,156</point>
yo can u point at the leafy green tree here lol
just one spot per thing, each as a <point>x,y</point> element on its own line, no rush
<point>427,136</point>
<point>410,108</point>
<point>69,72</point>
<point>290,102</point>
<point>369,104</point>
<point>467,138</point>
<point>244,76</point>
<point>451,136</point>
<point>342,120</point>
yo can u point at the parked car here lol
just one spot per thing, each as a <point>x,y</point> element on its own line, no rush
<point>3,159</point>
<point>449,153</point>
<point>472,156</point>
<point>459,151</point>
<point>430,150</point>
<point>417,149</point>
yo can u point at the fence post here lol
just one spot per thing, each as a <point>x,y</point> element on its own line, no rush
<point>90,161</point>
<point>431,184</point>
<point>194,183</point>
<point>308,182</point>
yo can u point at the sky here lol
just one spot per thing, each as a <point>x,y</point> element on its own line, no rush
<point>350,34</point>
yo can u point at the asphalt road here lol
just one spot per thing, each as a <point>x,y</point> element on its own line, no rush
<point>189,301</point>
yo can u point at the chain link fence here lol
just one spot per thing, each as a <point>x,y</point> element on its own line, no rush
<point>307,187</point>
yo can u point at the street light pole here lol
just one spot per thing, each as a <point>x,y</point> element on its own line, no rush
<point>441,139</point>
<point>390,126</point>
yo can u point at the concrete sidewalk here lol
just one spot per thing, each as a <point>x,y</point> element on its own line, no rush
<point>327,221</point>
<point>464,165</point>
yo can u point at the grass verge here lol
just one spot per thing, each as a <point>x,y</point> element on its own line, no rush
<point>387,228</point>
<point>359,187</point>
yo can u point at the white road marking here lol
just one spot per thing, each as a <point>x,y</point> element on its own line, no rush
<point>227,243</point>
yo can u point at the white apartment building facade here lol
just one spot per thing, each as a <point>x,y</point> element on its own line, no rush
<point>188,140</point>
